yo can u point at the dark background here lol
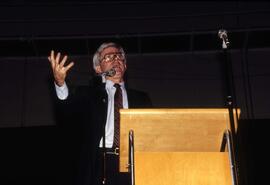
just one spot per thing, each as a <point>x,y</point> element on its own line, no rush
<point>173,53</point>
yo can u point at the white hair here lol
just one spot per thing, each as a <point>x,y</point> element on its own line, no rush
<point>96,57</point>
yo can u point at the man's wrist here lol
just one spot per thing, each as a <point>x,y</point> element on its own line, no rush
<point>59,84</point>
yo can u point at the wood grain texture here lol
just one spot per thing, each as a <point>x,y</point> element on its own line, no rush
<point>172,130</point>
<point>182,168</point>
<point>176,146</point>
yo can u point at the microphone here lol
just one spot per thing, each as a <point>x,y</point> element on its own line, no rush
<point>222,34</point>
<point>109,73</point>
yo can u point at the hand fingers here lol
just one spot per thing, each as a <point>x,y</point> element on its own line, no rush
<point>56,66</point>
<point>57,58</point>
<point>51,59</point>
<point>51,62</point>
<point>69,66</point>
<point>63,61</point>
<point>52,55</point>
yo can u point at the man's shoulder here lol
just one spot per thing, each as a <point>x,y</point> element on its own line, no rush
<point>94,82</point>
<point>138,99</point>
<point>78,89</point>
<point>91,86</point>
<point>137,92</point>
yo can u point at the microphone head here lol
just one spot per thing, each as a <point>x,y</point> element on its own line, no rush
<point>222,33</point>
<point>110,72</point>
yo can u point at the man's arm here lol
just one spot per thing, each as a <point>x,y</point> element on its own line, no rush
<point>63,112</point>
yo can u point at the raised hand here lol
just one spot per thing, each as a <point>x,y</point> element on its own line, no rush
<point>58,68</point>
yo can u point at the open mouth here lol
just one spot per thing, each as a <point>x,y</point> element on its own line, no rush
<point>117,69</point>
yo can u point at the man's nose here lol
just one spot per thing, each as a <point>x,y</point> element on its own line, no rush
<point>117,60</point>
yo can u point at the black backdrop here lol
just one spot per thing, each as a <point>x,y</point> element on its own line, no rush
<point>173,53</point>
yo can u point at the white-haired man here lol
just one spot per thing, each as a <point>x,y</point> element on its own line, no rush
<point>93,107</point>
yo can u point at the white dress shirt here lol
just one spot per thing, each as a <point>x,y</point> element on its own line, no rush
<point>62,94</point>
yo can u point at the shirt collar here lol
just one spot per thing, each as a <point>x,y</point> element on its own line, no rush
<point>109,84</point>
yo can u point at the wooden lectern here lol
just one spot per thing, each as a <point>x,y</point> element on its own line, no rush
<point>176,146</point>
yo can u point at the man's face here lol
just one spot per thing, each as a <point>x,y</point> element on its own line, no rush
<point>112,58</point>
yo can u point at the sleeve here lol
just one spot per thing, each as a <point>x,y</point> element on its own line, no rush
<point>61,91</point>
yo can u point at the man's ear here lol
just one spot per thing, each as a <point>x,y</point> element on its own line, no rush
<point>98,69</point>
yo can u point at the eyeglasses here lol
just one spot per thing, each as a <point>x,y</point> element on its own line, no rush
<point>112,57</point>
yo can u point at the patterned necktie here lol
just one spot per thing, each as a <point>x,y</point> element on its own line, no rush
<point>118,104</point>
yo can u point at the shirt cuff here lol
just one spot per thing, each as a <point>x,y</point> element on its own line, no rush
<point>61,91</point>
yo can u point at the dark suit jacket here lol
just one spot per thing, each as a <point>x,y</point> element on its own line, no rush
<point>84,114</point>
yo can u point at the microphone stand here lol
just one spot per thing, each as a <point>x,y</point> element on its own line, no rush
<point>229,80</point>
<point>229,86</point>
<point>104,155</point>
